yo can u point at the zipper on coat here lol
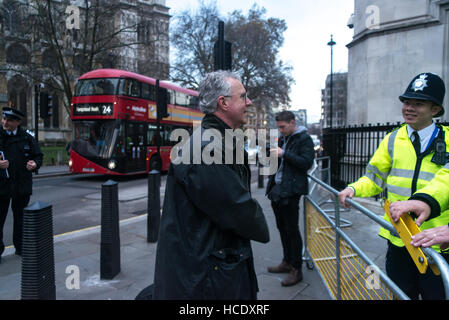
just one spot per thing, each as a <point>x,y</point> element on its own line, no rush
<point>419,158</point>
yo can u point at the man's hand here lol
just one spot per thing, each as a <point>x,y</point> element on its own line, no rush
<point>345,193</point>
<point>31,165</point>
<point>4,164</point>
<point>419,208</point>
<point>430,237</point>
<point>278,151</point>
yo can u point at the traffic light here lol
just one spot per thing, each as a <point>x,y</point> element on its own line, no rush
<point>222,51</point>
<point>223,58</point>
<point>46,105</point>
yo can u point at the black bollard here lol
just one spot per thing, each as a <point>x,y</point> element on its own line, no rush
<point>38,261</point>
<point>110,232</point>
<point>153,205</point>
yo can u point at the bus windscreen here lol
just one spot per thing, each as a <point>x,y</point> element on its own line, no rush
<point>93,138</point>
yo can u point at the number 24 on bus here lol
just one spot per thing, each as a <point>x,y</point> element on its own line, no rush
<point>114,114</point>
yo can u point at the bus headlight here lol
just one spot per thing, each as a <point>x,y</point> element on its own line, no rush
<point>112,164</point>
<point>70,162</point>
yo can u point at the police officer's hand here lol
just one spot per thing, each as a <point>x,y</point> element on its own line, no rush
<point>4,164</point>
<point>31,165</point>
<point>277,151</point>
<point>430,237</point>
<point>420,208</point>
<point>345,193</point>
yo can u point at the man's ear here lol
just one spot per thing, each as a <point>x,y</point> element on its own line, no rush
<point>223,104</point>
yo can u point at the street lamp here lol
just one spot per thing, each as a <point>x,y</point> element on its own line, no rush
<point>331,44</point>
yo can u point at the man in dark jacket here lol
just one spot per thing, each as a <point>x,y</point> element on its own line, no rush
<point>20,156</point>
<point>296,154</point>
<point>209,218</point>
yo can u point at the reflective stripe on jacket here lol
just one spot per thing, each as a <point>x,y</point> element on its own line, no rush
<point>396,166</point>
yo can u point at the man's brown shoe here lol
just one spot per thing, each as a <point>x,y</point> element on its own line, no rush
<point>284,267</point>
<point>293,278</point>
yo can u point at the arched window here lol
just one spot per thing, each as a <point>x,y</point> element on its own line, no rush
<point>17,54</point>
<point>18,96</point>
<point>10,17</point>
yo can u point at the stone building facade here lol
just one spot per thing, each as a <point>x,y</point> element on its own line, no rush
<point>339,100</point>
<point>28,65</point>
<point>394,41</point>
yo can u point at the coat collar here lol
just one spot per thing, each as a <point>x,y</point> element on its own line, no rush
<point>17,132</point>
<point>211,121</point>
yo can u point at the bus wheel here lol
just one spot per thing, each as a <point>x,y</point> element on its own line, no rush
<point>156,163</point>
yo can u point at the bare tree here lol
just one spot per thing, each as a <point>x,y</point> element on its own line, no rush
<point>256,42</point>
<point>193,35</point>
<point>255,51</point>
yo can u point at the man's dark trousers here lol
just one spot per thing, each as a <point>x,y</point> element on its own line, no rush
<point>402,270</point>
<point>286,211</point>
<point>18,203</point>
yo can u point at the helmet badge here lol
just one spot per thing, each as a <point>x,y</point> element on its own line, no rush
<point>420,83</point>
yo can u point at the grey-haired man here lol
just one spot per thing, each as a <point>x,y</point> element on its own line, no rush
<point>209,217</point>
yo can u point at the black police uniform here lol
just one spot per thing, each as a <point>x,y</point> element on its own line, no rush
<point>16,189</point>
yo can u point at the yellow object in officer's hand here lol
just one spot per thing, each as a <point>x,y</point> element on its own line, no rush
<point>406,228</point>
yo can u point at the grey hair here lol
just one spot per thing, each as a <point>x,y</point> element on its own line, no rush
<point>215,84</point>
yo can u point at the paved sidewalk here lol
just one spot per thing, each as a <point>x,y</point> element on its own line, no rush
<point>81,250</point>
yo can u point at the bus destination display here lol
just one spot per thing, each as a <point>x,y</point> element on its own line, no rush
<point>93,109</point>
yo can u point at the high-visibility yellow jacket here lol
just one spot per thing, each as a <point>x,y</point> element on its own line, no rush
<point>396,166</point>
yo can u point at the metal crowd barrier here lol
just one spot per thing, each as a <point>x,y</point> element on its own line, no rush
<point>353,276</point>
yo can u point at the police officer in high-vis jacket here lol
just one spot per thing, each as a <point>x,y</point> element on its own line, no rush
<point>407,160</point>
<point>20,155</point>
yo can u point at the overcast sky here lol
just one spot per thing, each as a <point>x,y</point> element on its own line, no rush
<point>310,24</point>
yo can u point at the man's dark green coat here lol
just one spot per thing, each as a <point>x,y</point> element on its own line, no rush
<point>208,221</point>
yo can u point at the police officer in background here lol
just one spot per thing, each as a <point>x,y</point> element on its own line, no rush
<point>407,161</point>
<point>20,156</point>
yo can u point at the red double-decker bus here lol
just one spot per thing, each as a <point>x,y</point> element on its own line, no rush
<point>114,114</point>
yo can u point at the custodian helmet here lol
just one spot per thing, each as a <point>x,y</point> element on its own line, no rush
<point>11,113</point>
<point>426,86</point>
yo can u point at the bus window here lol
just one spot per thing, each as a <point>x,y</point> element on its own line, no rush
<point>185,100</point>
<point>171,97</point>
<point>130,87</point>
<point>180,99</point>
<point>105,86</point>
<point>140,132</point>
<point>129,137</point>
<point>120,147</point>
<point>194,102</point>
<point>151,135</point>
<point>88,87</point>
<point>166,131</point>
<point>148,91</point>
